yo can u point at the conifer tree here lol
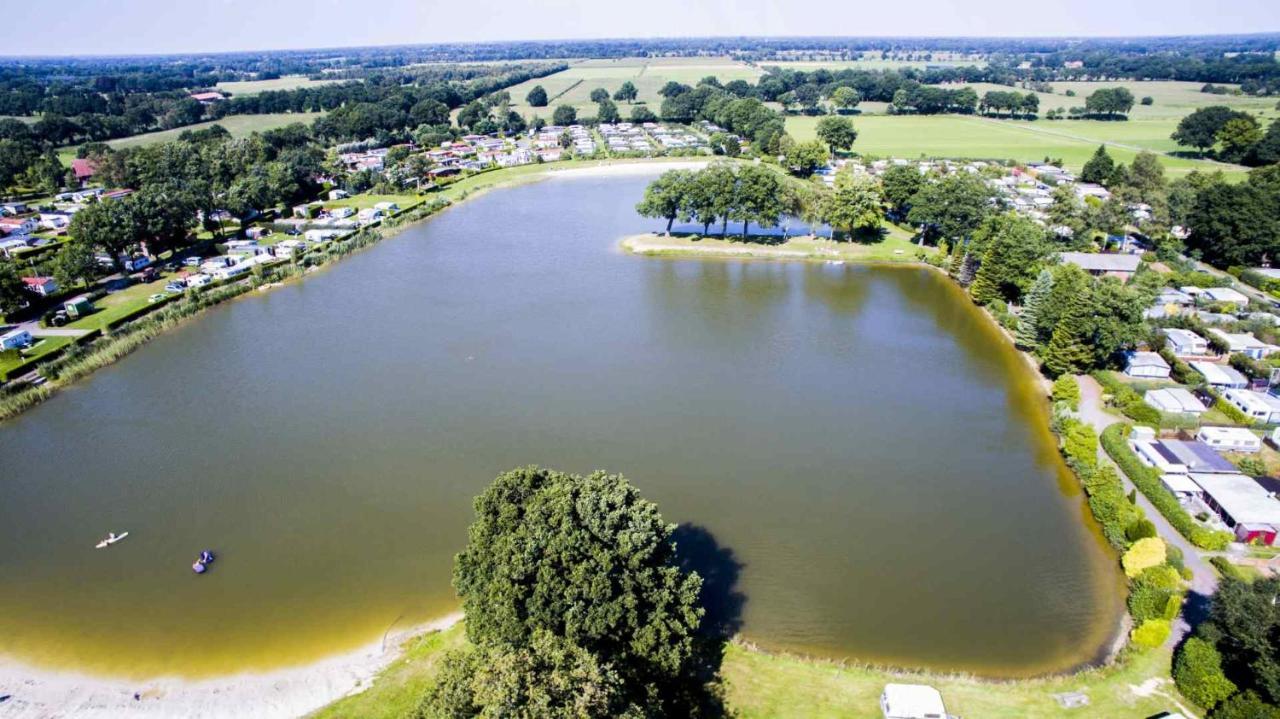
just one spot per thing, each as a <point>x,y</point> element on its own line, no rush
<point>1028,335</point>
<point>968,267</point>
<point>1069,351</point>
<point>985,287</point>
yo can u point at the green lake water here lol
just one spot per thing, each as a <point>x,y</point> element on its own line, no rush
<point>859,451</point>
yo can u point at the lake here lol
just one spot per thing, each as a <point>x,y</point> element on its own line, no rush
<point>859,445</point>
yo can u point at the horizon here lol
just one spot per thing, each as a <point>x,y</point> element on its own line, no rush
<point>144,28</point>
<point>653,38</point>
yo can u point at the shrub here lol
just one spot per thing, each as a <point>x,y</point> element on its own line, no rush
<point>1067,390</point>
<point>1232,413</point>
<point>1252,466</point>
<point>1197,670</point>
<point>1144,554</point>
<point>1151,633</point>
<point>1140,529</point>
<point>1142,413</point>
<point>1246,705</point>
<point>1080,443</point>
<point>1148,480</point>
<point>1148,602</point>
<point>1226,568</point>
<point>1109,505</point>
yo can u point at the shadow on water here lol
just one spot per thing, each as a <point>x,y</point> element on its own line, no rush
<point>697,550</point>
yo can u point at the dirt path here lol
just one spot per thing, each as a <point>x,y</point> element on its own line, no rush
<point>1204,580</point>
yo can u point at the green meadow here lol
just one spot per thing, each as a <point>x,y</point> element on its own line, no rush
<point>288,82</point>
<point>237,125</point>
<point>971,137</point>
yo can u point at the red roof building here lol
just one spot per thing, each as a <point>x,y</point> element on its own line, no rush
<point>85,169</point>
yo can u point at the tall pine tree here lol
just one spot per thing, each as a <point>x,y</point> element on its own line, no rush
<point>1028,335</point>
<point>968,267</point>
<point>1069,351</point>
<point>985,285</point>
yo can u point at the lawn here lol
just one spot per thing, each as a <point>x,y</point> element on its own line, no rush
<point>765,685</point>
<point>243,88</point>
<point>361,202</point>
<point>43,346</point>
<point>971,137</point>
<point>648,75</point>
<point>118,304</point>
<point>895,247</point>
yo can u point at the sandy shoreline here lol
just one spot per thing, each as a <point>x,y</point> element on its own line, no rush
<point>35,693</point>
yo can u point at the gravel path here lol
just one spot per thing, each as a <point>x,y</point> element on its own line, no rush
<point>1204,580</point>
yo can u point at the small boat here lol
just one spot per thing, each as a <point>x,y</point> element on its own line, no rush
<point>198,567</point>
<point>110,539</point>
<point>202,564</point>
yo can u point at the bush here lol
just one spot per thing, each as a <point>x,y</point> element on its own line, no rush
<point>1142,413</point>
<point>1232,413</point>
<point>1246,705</point>
<point>1140,529</point>
<point>1226,568</point>
<point>1252,466</point>
<point>1067,391</point>
<point>1109,505</point>
<point>1197,670</point>
<point>1144,554</point>
<point>1079,444</point>
<point>1151,633</point>
<point>1148,480</point>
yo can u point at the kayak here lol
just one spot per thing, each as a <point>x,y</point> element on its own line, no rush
<point>110,540</point>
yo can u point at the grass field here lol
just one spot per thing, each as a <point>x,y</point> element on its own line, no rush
<point>648,75</point>
<point>237,125</point>
<point>43,346</point>
<point>895,247</point>
<point>118,304</point>
<point>288,82</point>
<point>764,685</point>
<point>972,137</point>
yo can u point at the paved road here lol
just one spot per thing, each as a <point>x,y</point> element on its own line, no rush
<point>1204,579</point>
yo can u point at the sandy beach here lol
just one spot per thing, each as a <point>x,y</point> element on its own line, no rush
<point>34,693</point>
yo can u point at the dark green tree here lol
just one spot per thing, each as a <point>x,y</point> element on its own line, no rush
<point>1099,167</point>
<point>537,96</point>
<point>599,94</point>
<point>1028,335</point>
<point>588,561</point>
<point>626,93</point>
<point>953,207</point>
<point>900,184</point>
<point>564,115</point>
<point>665,197</point>
<point>1200,128</point>
<point>838,132</point>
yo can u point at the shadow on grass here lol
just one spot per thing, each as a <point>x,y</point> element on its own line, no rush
<point>698,550</point>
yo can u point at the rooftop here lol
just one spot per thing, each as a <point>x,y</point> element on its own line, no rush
<point>1241,497</point>
<point>1097,262</point>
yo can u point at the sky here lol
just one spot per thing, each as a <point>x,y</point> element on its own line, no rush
<point>80,27</point>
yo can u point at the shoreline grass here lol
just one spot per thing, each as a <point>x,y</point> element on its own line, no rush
<point>895,247</point>
<point>764,684</point>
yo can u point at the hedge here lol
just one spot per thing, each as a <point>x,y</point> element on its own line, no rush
<point>1152,633</point>
<point>1148,481</point>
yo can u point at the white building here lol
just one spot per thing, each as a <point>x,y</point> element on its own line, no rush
<point>1147,364</point>
<point>1225,294</point>
<point>1244,505</point>
<point>1230,439</point>
<point>1185,343</point>
<point>912,701</point>
<point>1175,400</point>
<point>1220,375</point>
<point>1259,406</point>
<point>1245,343</point>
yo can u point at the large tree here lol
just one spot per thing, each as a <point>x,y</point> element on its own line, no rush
<point>845,98</point>
<point>589,562</point>
<point>838,132</point>
<point>1200,128</point>
<point>1235,224</point>
<point>626,93</point>
<point>1013,248</point>
<point>900,184</point>
<point>953,207</point>
<point>1099,168</point>
<point>855,206</point>
<point>537,96</point>
<point>804,158</point>
<point>665,197</point>
<point>110,225</point>
<point>564,115</point>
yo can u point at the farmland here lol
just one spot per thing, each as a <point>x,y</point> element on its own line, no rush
<point>962,136</point>
<point>253,87</point>
<point>574,85</point>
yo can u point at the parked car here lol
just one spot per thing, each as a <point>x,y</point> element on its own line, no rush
<point>192,262</point>
<point>156,297</point>
<point>175,287</point>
